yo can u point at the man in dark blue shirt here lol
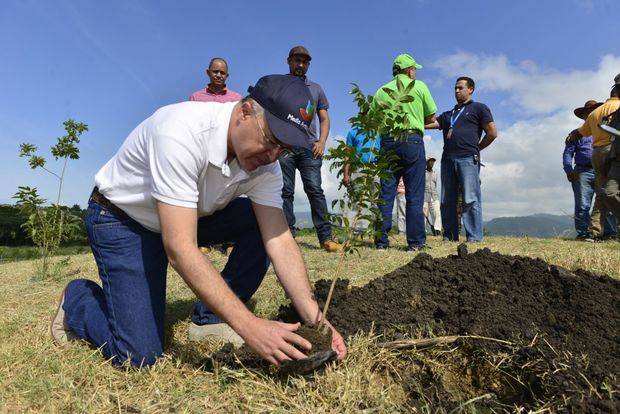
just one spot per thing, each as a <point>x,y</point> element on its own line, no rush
<point>581,177</point>
<point>460,162</point>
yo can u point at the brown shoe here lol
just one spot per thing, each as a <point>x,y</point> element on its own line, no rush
<point>60,330</point>
<point>332,246</point>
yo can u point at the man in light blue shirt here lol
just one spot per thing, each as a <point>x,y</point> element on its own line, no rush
<point>366,149</point>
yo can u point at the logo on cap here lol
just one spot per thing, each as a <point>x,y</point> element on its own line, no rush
<point>308,112</point>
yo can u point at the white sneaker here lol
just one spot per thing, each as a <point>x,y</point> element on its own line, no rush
<point>214,331</point>
<point>60,330</point>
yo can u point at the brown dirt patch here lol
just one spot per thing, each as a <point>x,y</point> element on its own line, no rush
<point>564,327</point>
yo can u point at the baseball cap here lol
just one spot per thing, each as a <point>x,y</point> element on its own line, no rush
<point>404,61</point>
<point>288,108</point>
<point>299,50</point>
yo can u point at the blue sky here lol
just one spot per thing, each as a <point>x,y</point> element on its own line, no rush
<point>111,64</point>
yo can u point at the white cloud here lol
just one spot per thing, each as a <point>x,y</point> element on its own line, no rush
<point>530,88</point>
<point>523,168</point>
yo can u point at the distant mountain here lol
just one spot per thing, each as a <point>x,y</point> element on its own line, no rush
<point>536,225</point>
<point>303,219</point>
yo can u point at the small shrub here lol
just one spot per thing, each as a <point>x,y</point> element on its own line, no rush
<point>48,226</point>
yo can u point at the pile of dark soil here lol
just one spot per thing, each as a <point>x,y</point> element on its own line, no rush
<point>564,329</point>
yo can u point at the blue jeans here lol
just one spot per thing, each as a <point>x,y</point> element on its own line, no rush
<point>461,174</point>
<point>411,166</point>
<point>310,171</point>
<point>583,190</point>
<point>125,315</point>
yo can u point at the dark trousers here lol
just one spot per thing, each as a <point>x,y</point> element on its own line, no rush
<point>310,171</point>
<point>125,315</point>
<point>411,166</point>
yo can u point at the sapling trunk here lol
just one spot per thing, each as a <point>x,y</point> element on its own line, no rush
<point>345,247</point>
<point>332,286</point>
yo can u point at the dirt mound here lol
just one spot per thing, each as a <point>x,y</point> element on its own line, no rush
<point>564,328</point>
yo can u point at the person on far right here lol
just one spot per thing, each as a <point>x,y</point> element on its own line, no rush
<point>601,142</point>
<point>611,124</point>
<point>462,129</point>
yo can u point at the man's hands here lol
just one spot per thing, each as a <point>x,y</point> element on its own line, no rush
<point>273,341</point>
<point>318,149</point>
<point>571,176</point>
<point>338,344</point>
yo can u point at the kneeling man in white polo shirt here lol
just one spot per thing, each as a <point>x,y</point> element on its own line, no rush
<point>177,183</point>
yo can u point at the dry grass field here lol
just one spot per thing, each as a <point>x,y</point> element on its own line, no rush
<point>37,376</point>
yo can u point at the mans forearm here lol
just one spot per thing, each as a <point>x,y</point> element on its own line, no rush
<point>289,266</point>
<point>209,286</point>
<point>324,130</point>
<point>432,125</point>
<point>486,141</point>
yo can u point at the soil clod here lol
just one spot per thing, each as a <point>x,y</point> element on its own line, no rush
<point>320,354</point>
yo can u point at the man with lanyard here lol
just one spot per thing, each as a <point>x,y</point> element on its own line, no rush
<point>409,150</point>
<point>601,142</point>
<point>174,184</point>
<point>309,160</point>
<point>216,90</point>
<point>365,148</point>
<point>581,177</point>
<point>462,128</point>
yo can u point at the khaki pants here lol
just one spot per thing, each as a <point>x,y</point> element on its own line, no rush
<point>600,208</point>
<point>612,196</point>
<point>401,211</point>
<point>432,213</point>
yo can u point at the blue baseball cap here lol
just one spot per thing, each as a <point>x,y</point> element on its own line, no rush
<point>288,108</point>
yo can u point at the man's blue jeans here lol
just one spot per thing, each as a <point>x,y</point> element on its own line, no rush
<point>125,315</point>
<point>583,190</point>
<point>461,174</point>
<point>411,166</point>
<point>309,168</point>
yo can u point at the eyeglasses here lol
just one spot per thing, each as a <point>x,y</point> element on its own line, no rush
<point>283,151</point>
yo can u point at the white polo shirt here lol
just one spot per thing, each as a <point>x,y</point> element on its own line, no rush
<point>178,156</point>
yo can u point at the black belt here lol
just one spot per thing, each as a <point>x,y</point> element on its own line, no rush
<point>100,199</point>
<point>412,132</point>
<point>584,165</point>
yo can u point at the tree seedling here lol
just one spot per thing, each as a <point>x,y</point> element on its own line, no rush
<point>48,226</point>
<point>360,203</point>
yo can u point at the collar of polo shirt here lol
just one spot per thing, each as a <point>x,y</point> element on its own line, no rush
<point>218,145</point>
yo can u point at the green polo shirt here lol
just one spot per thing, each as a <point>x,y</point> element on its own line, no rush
<point>415,111</point>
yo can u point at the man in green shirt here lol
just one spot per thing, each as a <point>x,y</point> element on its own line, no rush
<point>408,146</point>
